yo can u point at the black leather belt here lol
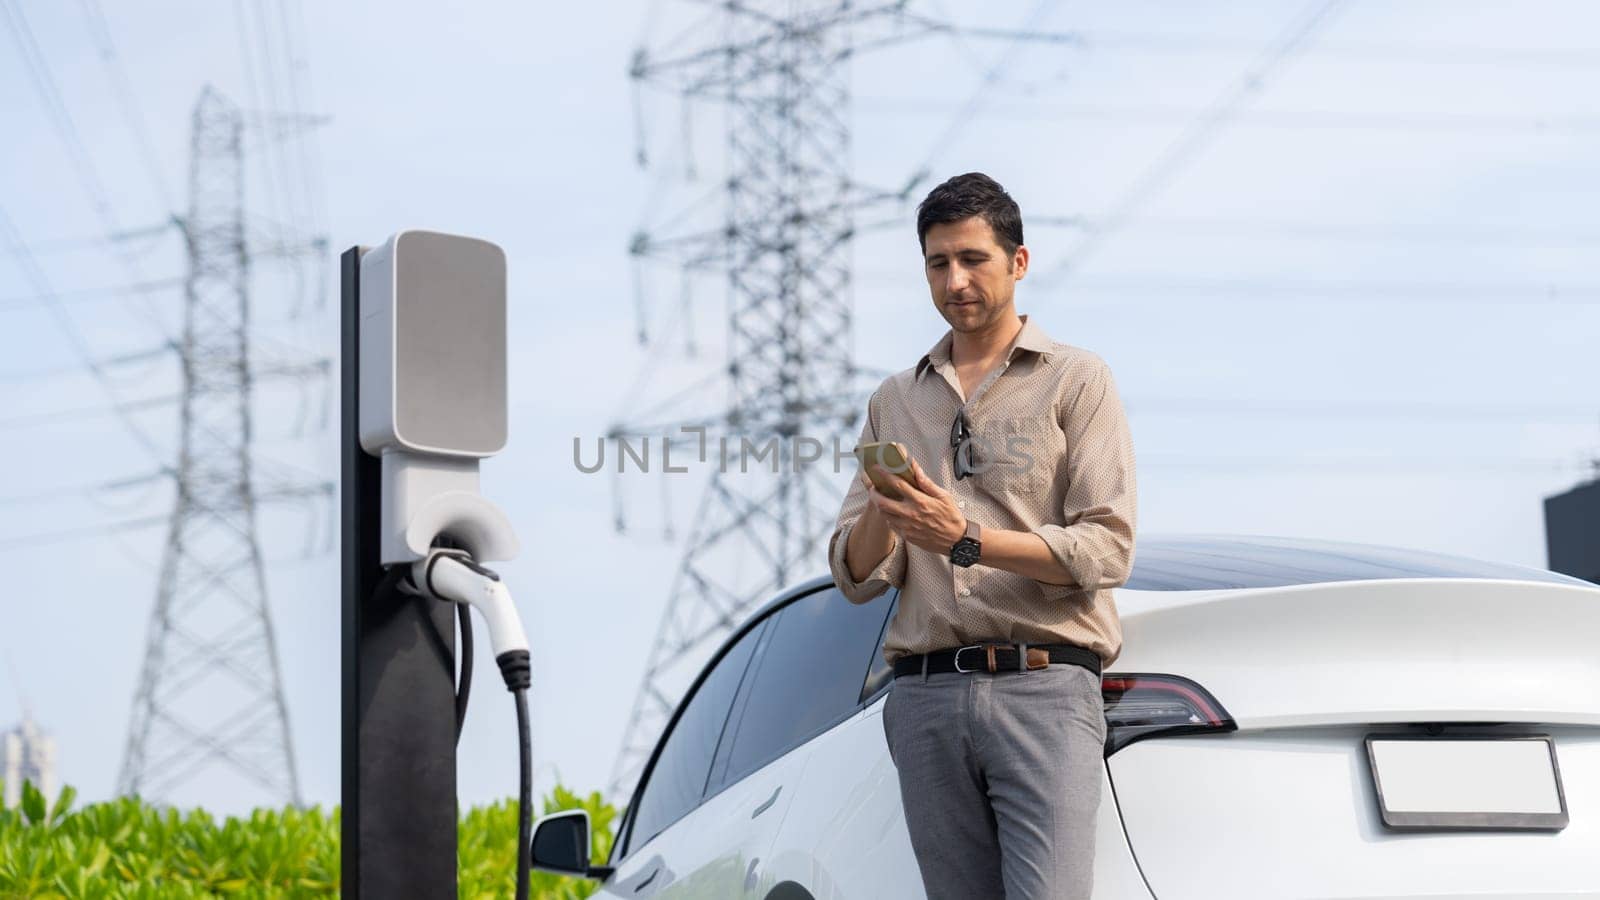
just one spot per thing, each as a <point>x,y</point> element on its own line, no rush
<point>991,657</point>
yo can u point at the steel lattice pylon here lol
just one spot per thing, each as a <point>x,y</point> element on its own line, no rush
<point>211,691</point>
<point>781,70</point>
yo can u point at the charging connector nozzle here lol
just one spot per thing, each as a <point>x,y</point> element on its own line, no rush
<point>452,576</point>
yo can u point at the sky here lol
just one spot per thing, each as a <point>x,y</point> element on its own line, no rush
<point>1346,290</point>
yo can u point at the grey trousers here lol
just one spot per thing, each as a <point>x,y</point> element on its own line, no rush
<point>1000,779</point>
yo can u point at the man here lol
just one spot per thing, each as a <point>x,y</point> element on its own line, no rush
<point>1015,524</point>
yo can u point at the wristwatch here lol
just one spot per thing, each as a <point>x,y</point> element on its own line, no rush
<point>966,551</point>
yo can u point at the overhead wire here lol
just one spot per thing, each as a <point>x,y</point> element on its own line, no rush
<point>88,176</point>
<point>127,99</point>
<point>75,414</point>
<point>147,233</point>
<point>90,490</point>
<point>302,99</point>
<point>41,285</point>
<point>1406,412</point>
<point>1289,119</point>
<point>1410,466</point>
<point>1154,177</point>
<point>1242,290</point>
<point>986,82</point>
<point>87,295</point>
<point>249,47</point>
<point>1093,40</point>
<point>1452,233</point>
<point>106,363</point>
<point>18,542</point>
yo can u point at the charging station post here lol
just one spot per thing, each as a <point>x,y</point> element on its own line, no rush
<point>398,748</point>
<point>423,381</point>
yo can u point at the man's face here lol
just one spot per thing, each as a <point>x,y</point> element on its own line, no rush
<point>971,277</point>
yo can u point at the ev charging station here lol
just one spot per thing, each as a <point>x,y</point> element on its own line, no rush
<point>423,389</point>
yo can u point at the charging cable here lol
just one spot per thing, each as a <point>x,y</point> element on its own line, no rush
<point>451,575</point>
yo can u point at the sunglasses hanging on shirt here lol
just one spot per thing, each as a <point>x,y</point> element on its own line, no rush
<point>961,442</point>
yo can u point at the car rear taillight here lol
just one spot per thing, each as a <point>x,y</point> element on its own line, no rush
<point>1139,706</point>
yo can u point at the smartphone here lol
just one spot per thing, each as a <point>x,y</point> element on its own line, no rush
<point>893,456</point>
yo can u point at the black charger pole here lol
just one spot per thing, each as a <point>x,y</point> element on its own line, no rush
<point>398,753</point>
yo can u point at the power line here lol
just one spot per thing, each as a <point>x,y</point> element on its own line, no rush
<point>280,77</point>
<point>1186,45</point>
<point>85,295</point>
<point>293,184</point>
<point>986,82</point>
<point>1360,464</point>
<point>98,241</point>
<point>1239,290</point>
<point>57,416</point>
<point>302,99</point>
<point>1171,160</point>
<point>61,118</point>
<point>83,490</point>
<point>41,286</point>
<point>127,99</point>
<point>1295,120</point>
<point>1574,237</point>
<point>255,48</point>
<point>1411,413</point>
<point>104,363</point>
<point>18,542</point>
<point>55,108</point>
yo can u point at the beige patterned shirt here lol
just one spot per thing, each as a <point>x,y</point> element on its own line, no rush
<point>1054,457</point>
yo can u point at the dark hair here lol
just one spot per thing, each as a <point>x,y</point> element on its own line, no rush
<point>965,196</point>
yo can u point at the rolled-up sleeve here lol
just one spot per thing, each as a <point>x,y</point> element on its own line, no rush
<point>891,571</point>
<point>1095,541</point>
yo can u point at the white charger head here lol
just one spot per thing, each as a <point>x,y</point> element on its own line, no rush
<point>433,346</point>
<point>432,390</point>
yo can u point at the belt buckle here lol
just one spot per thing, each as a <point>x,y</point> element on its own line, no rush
<point>957,658</point>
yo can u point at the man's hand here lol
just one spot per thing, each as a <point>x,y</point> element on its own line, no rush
<point>925,515</point>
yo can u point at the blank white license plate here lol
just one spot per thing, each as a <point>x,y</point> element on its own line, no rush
<point>1467,782</point>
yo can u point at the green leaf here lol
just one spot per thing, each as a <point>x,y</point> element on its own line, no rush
<point>58,810</point>
<point>33,804</point>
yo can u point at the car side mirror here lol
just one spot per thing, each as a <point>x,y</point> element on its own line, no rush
<point>561,845</point>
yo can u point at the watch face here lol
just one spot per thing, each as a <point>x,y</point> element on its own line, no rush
<point>965,552</point>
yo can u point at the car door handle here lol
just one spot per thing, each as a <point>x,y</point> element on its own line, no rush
<point>768,804</point>
<point>750,879</point>
<point>647,880</point>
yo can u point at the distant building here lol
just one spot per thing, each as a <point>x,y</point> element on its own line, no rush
<point>1572,531</point>
<point>27,754</point>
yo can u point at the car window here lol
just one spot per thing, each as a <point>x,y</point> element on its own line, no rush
<point>879,676</point>
<point>807,676</point>
<point>677,781</point>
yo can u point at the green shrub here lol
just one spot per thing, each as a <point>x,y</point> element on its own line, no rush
<point>126,848</point>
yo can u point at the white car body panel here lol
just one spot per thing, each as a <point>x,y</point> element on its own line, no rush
<point>845,836</point>
<point>716,850</point>
<point>1407,650</point>
<point>1285,806</point>
<point>1292,813</point>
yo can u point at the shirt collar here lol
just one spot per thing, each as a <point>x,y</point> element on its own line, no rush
<point>1031,338</point>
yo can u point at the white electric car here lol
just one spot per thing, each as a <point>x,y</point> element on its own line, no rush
<point>1287,719</point>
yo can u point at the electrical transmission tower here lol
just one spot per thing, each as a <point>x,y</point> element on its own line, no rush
<point>781,73</point>
<point>211,692</point>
